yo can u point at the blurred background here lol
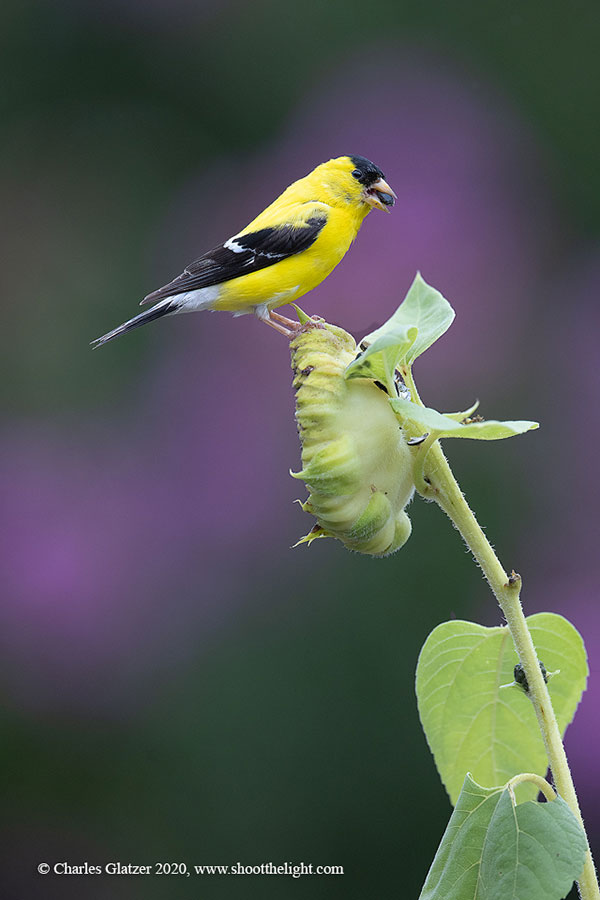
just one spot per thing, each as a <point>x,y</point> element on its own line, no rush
<point>178,683</point>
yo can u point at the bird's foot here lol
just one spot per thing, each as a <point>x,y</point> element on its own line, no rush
<point>292,324</point>
<point>288,332</point>
<point>289,327</point>
<point>313,322</point>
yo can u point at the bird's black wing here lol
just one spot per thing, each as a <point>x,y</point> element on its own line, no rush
<point>242,255</point>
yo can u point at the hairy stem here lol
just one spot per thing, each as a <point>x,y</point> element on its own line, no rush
<point>541,784</point>
<point>440,485</point>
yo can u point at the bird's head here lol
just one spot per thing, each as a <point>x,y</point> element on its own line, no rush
<point>358,180</point>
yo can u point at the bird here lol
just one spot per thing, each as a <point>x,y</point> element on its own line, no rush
<point>286,251</point>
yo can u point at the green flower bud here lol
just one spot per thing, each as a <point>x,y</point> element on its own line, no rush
<point>355,460</point>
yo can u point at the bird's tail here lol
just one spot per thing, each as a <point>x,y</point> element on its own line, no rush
<point>161,309</point>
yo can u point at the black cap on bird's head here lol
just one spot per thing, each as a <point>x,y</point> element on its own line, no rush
<point>377,192</point>
<point>365,171</point>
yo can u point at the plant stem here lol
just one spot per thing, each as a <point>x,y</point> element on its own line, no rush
<point>541,784</point>
<point>441,486</point>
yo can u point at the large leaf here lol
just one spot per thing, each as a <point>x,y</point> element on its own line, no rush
<point>454,872</point>
<point>533,850</point>
<point>445,426</point>
<point>493,850</point>
<point>473,723</point>
<point>423,308</point>
<point>422,317</point>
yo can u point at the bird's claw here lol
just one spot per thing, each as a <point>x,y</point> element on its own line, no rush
<point>291,328</point>
<point>313,322</point>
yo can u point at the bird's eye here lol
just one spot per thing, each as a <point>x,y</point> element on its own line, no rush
<point>357,173</point>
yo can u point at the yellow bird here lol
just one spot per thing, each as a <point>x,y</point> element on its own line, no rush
<point>282,254</point>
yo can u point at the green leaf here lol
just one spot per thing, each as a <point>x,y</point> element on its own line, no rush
<point>492,850</point>
<point>454,873</point>
<point>533,850</point>
<point>303,317</point>
<point>465,414</point>
<point>422,317</point>
<point>472,721</point>
<point>426,308</point>
<point>423,308</point>
<point>384,354</point>
<point>434,422</point>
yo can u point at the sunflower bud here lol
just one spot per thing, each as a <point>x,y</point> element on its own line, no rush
<point>355,460</point>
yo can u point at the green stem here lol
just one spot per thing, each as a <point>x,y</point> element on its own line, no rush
<point>440,485</point>
<point>390,382</point>
<point>419,459</point>
<point>409,381</point>
<point>541,784</point>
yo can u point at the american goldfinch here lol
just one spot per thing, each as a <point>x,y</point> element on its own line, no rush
<point>282,254</point>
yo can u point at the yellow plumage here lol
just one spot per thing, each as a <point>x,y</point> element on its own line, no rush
<point>283,253</point>
<point>339,197</point>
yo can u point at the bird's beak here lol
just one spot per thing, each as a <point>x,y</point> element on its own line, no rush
<point>380,196</point>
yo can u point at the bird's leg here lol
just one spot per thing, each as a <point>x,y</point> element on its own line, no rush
<point>289,333</point>
<point>293,325</point>
<point>289,323</point>
<point>281,323</point>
